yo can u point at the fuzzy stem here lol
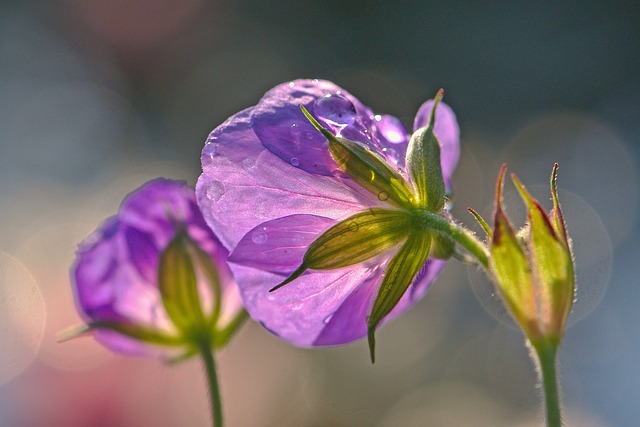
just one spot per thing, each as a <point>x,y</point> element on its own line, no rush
<point>455,232</point>
<point>212,379</point>
<point>546,355</point>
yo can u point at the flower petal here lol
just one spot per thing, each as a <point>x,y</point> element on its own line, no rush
<point>278,246</point>
<point>281,127</point>
<point>324,308</point>
<point>238,171</point>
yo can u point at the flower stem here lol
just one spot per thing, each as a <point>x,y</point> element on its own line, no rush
<point>546,355</point>
<point>455,232</point>
<point>212,378</point>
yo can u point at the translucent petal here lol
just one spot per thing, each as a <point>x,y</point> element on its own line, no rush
<point>243,185</point>
<point>278,246</point>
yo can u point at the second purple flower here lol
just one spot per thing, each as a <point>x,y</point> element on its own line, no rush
<point>328,209</point>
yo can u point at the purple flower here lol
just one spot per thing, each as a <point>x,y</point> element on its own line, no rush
<point>150,276</point>
<point>272,185</point>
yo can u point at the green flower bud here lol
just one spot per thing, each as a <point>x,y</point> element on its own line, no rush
<point>533,268</point>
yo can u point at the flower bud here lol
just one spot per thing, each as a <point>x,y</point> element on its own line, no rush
<point>533,268</point>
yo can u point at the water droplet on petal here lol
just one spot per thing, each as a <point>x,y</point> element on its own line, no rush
<point>260,236</point>
<point>336,109</point>
<point>249,163</point>
<point>353,226</point>
<point>297,306</point>
<point>294,161</point>
<point>262,208</point>
<point>327,319</point>
<point>383,195</point>
<point>215,191</point>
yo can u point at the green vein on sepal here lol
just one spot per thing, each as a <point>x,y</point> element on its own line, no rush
<point>400,273</point>
<point>179,286</point>
<point>355,239</point>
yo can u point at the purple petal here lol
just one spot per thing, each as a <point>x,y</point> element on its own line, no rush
<point>280,125</point>
<point>278,246</point>
<point>144,253</point>
<point>297,312</point>
<point>448,133</point>
<point>324,307</point>
<point>244,184</point>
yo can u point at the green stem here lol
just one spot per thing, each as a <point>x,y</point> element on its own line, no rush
<point>212,378</point>
<point>455,232</point>
<point>547,366</point>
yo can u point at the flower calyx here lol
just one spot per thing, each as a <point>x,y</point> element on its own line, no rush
<point>534,268</point>
<point>405,223</point>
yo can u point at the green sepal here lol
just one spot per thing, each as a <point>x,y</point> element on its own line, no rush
<point>179,286</point>
<point>366,168</point>
<point>556,217</point>
<point>481,221</point>
<point>510,267</point>
<point>423,164</point>
<point>210,275</point>
<point>552,266</point>
<point>401,271</point>
<point>355,239</point>
<point>442,247</point>
<point>137,332</point>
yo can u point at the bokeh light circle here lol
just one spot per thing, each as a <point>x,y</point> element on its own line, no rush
<point>22,317</point>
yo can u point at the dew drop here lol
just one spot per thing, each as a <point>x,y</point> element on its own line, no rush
<point>249,163</point>
<point>336,109</point>
<point>327,319</point>
<point>309,135</point>
<point>383,195</point>
<point>295,161</point>
<point>262,208</point>
<point>215,191</point>
<point>260,236</point>
<point>353,226</point>
<point>297,306</point>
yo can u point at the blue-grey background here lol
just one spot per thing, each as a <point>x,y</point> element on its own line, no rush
<point>98,96</point>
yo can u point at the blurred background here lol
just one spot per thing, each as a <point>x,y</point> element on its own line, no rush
<point>98,96</point>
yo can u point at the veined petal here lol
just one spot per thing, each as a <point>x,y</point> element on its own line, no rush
<point>324,308</point>
<point>282,129</point>
<point>279,245</point>
<point>238,171</point>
